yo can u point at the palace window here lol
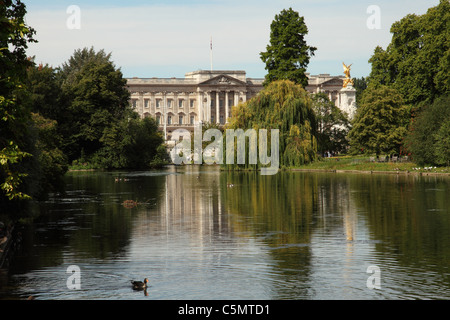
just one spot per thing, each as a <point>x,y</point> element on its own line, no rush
<point>221,119</point>
<point>134,103</point>
<point>146,103</point>
<point>158,120</point>
<point>221,103</point>
<point>192,120</point>
<point>180,119</point>
<point>180,103</point>
<point>169,103</point>
<point>192,103</point>
<point>158,103</point>
<point>169,119</point>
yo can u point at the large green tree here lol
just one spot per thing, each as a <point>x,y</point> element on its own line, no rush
<point>417,61</point>
<point>14,116</point>
<point>287,56</point>
<point>94,97</point>
<point>129,143</point>
<point>428,136</point>
<point>332,125</point>
<point>380,121</point>
<point>44,90</point>
<point>286,106</point>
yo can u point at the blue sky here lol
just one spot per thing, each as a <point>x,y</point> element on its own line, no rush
<point>168,38</point>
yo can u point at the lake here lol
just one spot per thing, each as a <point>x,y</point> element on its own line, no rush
<point>200,233</point>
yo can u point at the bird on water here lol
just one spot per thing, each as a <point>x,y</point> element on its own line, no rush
<point>139,285</point>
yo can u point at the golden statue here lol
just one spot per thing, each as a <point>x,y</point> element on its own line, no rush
<point>347,75</point>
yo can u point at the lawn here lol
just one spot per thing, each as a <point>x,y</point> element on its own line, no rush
<point>361,163</point>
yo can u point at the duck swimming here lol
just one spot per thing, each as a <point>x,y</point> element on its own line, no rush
<point>139,285</point>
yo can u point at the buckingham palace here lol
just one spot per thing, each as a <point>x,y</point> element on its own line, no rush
<point>207,96</point>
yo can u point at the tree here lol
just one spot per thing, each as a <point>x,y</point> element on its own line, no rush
<point>94,96</point>
<point>286,106</point>
<point>442,138</point>
<point>49,164</point>
<point>287,55</point>
<point>380,122</point>
<point>44,89</point>
<point>131,143</point>
<point>14,116</point>
<point>427,139</point>
<point>360,84</point>
<point>332,125</point>
<point>417,60</point>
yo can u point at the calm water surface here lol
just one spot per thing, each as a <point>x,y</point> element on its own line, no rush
<point>295,235</point>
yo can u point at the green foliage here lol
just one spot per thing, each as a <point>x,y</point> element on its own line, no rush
<point>428,136</point>
<point>44,91</point>
<point>286,106</point>
<point>94,97</point>
<point>88,99</point>
<point>14,38</point>
<point>417,60</point>
<point>442,146</point>
<point>360,84</point>
<point>161,158</point>
<point>50,163</point>
<point>380,122</point>
<point>287,55</point>
<point>332,125</point>
<point>9,156</point>
<point>131,143</point>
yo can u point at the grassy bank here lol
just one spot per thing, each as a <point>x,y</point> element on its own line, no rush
<point>359,163</point>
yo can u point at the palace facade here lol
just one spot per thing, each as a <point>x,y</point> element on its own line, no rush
<point>207,96</point>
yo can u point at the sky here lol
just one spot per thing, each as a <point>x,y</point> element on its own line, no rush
<point>168,38</point>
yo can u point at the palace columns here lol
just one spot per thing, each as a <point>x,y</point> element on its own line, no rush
<point>226,107</point>
<point>165,114</point>
<point>208,106</point>
<point>153,104</point>
<point>200,109</point>
<point>141,102</point>
<point>244,96</point>
<point>217,107</point>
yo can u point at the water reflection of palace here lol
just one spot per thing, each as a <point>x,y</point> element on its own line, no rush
<point>192,203</point>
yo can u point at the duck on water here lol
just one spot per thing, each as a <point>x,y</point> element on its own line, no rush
<point>139,285</point>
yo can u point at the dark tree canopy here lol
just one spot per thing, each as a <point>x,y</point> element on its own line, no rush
<point>14,116</point>
<point>94,96</point>
<point>417,61</point>
<point>332,125</point>
<point>288,54</point>
<point>380,122</point>
<point>428,140</point>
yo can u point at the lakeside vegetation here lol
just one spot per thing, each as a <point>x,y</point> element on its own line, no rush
<point>365,163</point>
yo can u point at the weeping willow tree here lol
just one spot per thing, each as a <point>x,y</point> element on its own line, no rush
<point>286,106</point>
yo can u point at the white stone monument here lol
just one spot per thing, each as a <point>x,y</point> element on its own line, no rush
<point>347,95</point>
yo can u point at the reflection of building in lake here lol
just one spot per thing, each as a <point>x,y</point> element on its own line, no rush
<point>337,198</point>
<point>192,203</point>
